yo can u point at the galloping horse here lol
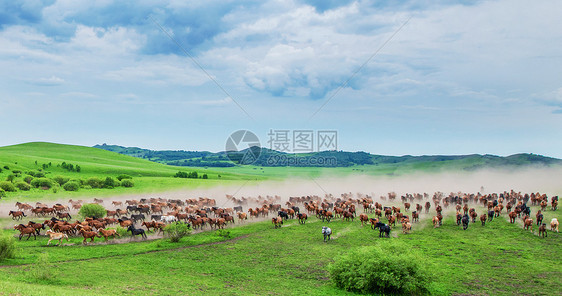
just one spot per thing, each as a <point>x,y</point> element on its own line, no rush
<point>383,228</point>
<point>327,232</point>
<point>465,220</point>
<point>56,235</point>
<point>136,231</point>
<point>17,215</point>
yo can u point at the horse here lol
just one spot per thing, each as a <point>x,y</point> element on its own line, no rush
<point>56,235</point>
<point>277,222</point>
<point>88,235</point>
<point>540,217</point>
<point>542,230</point>
<point>136,231</point>
<point>435,221</point>
<point>25,230</point>
<point>327,232</point>
<point>17,215</point>
<point>363,218</point>
<point>107,233</point>
<point>383,228</point>
<point>406,227</point>
<point>491,214</point>
<point>483,219</point>
<point>138,217</point>
<point>168,219</point>
<point>459,218</point>
<point>528,224</point>
<point>302,217</point>
<point>36,226</point>
<point>64,215</point>
<point>512,216</point>
<point>465,220</point>
<point>554,224</point>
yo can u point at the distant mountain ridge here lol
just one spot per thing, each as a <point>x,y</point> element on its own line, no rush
<point>273,158</point>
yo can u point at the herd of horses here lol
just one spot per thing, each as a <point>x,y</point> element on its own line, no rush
<point>156,213</point>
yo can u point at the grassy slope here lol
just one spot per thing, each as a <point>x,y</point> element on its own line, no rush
<point>498,259</point>
<point>148,176</point>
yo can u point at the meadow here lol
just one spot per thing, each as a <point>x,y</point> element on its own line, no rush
<point>256,259</point>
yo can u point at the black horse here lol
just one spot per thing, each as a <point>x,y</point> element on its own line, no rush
<point>136,231</point>
<point>465,220</point>
<point>139,217</point>
<point>283,215</point>
<point>383,228</point>
<point>540,217</point>
<point>491,215</point>
<point>525,210</point>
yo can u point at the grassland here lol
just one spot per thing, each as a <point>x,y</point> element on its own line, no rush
<point>498,259</point>
<point>148,176</point>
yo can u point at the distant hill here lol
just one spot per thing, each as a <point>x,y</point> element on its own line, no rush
<point>272,158</point>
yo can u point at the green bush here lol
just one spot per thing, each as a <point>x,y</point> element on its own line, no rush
<point>61,180</point>
<point>21,185</point>
<point>95,182</point>
<point>71,186</point>
<point>92,211</point>
<point>2,193</point>
<point>110,183</point>
<point>8,186</point>
<point>176,231</point>
<point>10,177</point>
<point>39,175</point>
<point>123,176</point>
<point>42,183</point>
<point>7,247</point>
<point>127,183</point>
<point>7,167</point>
<point>28,179</point>
<point>122,231</point>
<point>374,269</point>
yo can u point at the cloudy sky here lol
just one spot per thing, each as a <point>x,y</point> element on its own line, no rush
<point>391,77</point>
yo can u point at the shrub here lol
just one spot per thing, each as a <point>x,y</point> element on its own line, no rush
<point>10,178</point>
<point>61,180</point>
<point>123,176</point>
<point>127,183</point>
<point>223,233</point>
<point>2,193</point>
<point>31,173</point>
<point>92,211</point>
<point>28,179</point>
<point>21,185</point>
<point>374,269</point>
<point>122,231</point>
<point>110,183</point>
<point>7,167</point>
<point>42,182</point>
<point>205,176</point>
<point>7,247</point>
<point>176,231</point>
<point>95,182</point>
<point>8,186</point>
<point>71,186</point>
<point>39,175</point>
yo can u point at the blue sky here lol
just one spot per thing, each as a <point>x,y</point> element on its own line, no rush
<point>460,77</point>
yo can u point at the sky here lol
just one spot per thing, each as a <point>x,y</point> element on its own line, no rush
<point>390,77</point>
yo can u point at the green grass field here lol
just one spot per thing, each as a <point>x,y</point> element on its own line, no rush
<point>148,176</point>
<point>498,259</point>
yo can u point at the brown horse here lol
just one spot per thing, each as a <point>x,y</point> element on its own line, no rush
<point>302,217</point>
<point>483,218</point>
<point>363,218</point>
<point>242,216</point>
<point>542,230</point>
<point>512,217</point>
<point>17,215</point>
<point>435,221</point>
<point>528,224</point>
<point>277,221</point>
<point>88,235</point>
<point>25,230</point>
<point>406,227</point>
<point>415,216</point>
<point>108,233</point>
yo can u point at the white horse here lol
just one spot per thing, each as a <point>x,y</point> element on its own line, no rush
<point>327,232</point>
<point>168,219</point>
<point>554,224</point>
